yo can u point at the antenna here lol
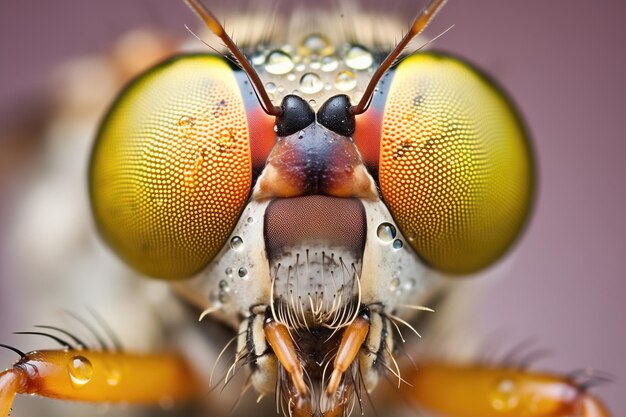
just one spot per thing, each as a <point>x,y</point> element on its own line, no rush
<point>216,27</point>
<point>419,24</point>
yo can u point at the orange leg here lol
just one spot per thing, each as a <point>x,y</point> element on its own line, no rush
<point>99,376</point>
<point>490,391</point>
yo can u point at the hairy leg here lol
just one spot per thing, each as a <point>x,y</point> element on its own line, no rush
<point>99,376</point>
<point>491,391</point>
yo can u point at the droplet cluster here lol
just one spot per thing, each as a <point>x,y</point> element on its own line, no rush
<point>222,294</point>
<point>314,69</point>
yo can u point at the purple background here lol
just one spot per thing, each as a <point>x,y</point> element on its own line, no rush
<point>563,62</point>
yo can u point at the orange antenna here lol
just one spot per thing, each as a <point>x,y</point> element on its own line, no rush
<point>419,24</point>
<point>219,31</point>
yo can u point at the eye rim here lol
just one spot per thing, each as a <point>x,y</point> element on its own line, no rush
<point>105,123</point>
<point>528,143</point>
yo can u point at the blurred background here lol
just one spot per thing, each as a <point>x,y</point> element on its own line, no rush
<point>563,62</point>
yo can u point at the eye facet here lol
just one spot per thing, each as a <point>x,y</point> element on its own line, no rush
<point>171,168</point>
<point>455,168</point>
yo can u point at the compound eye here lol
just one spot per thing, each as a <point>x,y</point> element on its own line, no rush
<point>455,168</point>
<point>171,168</point>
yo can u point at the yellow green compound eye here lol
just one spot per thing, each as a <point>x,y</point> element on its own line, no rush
<point>171,168</point>
<point>455,168</point>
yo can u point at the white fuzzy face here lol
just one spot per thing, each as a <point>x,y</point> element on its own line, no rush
<point>387,272</point>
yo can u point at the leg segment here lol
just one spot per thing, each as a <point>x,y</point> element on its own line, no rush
<point>486,391</point>
<point>351,343</point>
<point>99,376</point>
<point>10,382</point>
<point>279,339</point>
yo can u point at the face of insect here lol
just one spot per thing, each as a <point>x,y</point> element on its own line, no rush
<point>311,231</point>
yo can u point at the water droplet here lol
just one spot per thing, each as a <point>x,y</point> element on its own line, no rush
<point>329,63</point>
<point>166,403</point>
<point>243,272</point>
<point>312,103</point>
<point>258,58</point>
<point>359,58</point>
<point>229,271</point>
<point>300,67</point>
<point>236,243</point>
<point>409,284</point>
<point>224,289</point>
<point>224,298</point>
<point>412,236</point>
<point>278,63</point>
<point>397,244</point>
<point>315,44</point>
<point>394,283</point>
<point>345,81</point>
<point>250,220</point>
<point>224,286</point>
<point>270,87</point>
<point>291,77</point>
<point>311,83</point>
<point>80,370</point>
<point>186,121</point>
<point>113,375</point>
<point>386,232</point>
<point>225,138</point>
<point>505,397</point>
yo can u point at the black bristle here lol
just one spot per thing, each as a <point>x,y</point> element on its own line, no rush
<point>76,340</point>
<point>107,329</point>
<point>16,350</point>
<point>62,342</point>
<point>101,341</point>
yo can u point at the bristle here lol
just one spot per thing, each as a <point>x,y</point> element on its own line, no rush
<point>13,349</point>
<point>103,344</point>
<point>60,341</point>
<point>79,342</point>
<point>333,304</point>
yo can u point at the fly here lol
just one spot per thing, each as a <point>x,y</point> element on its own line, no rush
<point>316,228</point>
